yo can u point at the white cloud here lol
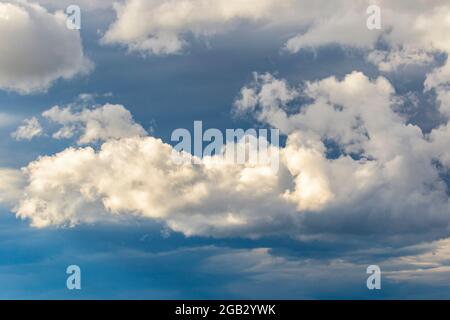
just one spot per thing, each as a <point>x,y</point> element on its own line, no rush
<point>411,32</point>
<point>37,48</point>
<point>97,124</point>
<point>386,168</point>
<point>138,176</point>
<point>31,128</point>
<point>12,184</point>
<point>340,23</point>
<point>404,25</point>
<point>157,27</point>
<point>383,173</point>
<point>388,61</point>
<point>386,176</point>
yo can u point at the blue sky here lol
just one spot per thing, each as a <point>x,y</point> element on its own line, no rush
<point>364,170</point>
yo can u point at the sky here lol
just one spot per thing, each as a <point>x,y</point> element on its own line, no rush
<point>359,92</point>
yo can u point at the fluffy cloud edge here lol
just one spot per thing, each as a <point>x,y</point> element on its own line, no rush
<point>28,62</point>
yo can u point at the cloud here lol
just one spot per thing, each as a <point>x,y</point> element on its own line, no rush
<point>409,34</point>
<point>85,5</point>
<point>30,129</point>
<point>341,23</point>
<point>265,272</point>
<point>349,159</point>
<point>11,186</point>
<point>158,27</point>
<point>391,61</point>
<point>429,266</point>
<point>351,163</point>
<point>403,26</point>
<point>260,269</point>
<point>99,124</point>
<point>353,157</point>
<point>37,48</point>
<point>139,177</point>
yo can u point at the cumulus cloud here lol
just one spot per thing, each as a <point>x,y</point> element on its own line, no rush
<point>410,34</point>
<point>139,176</point>
<point>348,157</point>
<point>31,128</point>
<point>94,124</point>
<point>352,156</point>
<point>158,27</point>
<point>37,48</point>
<point>403,26</point>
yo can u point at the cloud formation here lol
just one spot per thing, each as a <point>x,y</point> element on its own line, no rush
<point>348,157</point>
<point>423,268</point>
<point>158,27</point>
<point>352,156</point>
<point>30,129</point>
<point>37,48</point>
<point>109,121</point>
<point>409,34</point>
<point>139,177</point>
